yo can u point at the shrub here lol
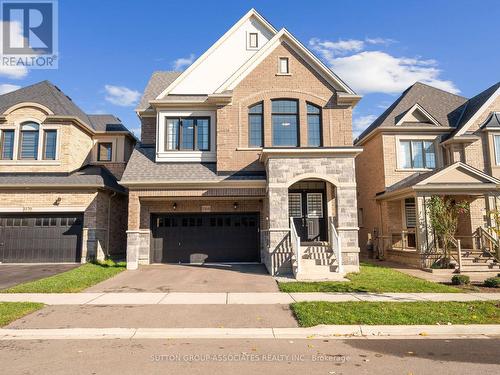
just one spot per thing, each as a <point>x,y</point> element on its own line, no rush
<point>492,282</point>
<point>460,280</point>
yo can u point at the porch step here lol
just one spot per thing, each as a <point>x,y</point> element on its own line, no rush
<point>480,267</point>
<point>317,262</point>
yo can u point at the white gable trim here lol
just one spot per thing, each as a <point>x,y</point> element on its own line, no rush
<point>421,109</point>
<point>286,36</point>
<point>478,113</point>
<point>456,166</point>
<point>251,13</point>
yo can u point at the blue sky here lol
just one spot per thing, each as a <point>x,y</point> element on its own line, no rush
<point>108,49</point>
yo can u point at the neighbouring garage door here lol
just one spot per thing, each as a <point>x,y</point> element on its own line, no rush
<point>31,238</point>
<point>198,238</point>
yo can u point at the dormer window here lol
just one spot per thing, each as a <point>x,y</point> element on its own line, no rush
<point>283,65</point>
<point>104,151</point>
<point>29,141</point>
<point>253,40</point>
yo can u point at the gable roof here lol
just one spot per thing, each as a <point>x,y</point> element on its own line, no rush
<point>50,96</point>
<point>443,106</point>
<point>286,36</point>
<point>475,106</point>
<point>417,108</point>
<point>458,175</point>
<point>252,13</point>
<point>157,83</point>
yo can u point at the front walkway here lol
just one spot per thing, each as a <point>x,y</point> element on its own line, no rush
<point>234,298</point>
<point>215,278</point>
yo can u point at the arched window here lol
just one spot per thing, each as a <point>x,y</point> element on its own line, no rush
<point>255,125</point>
<point>29,140</point>
<point>314,138</point>
<point>285,121</point>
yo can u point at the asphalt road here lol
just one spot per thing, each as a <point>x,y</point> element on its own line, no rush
<point>234,356</point>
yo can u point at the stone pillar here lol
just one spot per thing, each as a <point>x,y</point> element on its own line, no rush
<point>347,221</point>
<point>424,232</point>
<point>138,248</point>
<point>93,244</point>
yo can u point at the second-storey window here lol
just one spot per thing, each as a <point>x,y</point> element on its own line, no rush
<point>313,126</point>
<point>496,139</point>
<point>417,154</point>
<point>29,141</point>
<point>7,145</point>
<point>104,151</point>
<point>255,125</point>
<point>285,123</point>
<point>49,144</point>
<point>188,133</point>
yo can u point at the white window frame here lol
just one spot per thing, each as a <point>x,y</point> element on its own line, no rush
<point>496,150</point>
<point>320,215</point>
<point>399,151</point>
<point>280,72</point>
<point>249,38</point>
<point>164,155</point>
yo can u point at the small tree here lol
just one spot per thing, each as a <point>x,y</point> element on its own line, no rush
<point>443,215</point>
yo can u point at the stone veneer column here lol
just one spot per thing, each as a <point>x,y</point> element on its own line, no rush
<point>347,227</point>
<point>138,248</point>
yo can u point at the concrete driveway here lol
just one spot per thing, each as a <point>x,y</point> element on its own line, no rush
<point>240,278</point>
<point>13,274</point>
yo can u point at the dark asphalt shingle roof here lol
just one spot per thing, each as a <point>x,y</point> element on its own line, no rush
<point>88,175</point>
<point>493,121</point>
<point>158,82</point>
<point>142,167</point>
<point>445,107</point>
<point>50,96</point>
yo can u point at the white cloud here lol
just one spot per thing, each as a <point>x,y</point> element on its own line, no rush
<point>183,62</point>
<point>379,71</point>
<point>14,72</point>
<point>7,87</point>
<point>122,96</point>
<point>361,123</point>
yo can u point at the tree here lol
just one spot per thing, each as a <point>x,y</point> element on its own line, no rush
<point>443,215</point>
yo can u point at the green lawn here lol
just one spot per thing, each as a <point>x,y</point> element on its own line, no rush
<point>71,281</point>
<point>10,311</point>
<point>310,314</point>
<point>371,278</point>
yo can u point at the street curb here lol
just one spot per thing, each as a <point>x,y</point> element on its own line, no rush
<point>318,332</point>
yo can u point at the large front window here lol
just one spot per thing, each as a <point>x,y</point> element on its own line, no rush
<point>285,122</point>
<point>187,133</point>
<point>417,154</point>
<point>313,125</point>
<point>255,125</point>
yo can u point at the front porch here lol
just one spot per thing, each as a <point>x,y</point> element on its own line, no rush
<point>311,213</point>
<point>406,235</point>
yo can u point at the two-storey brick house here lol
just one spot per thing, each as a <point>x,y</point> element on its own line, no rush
<point>59,196</point>
<point>246,156</point>
<point>430,142</point>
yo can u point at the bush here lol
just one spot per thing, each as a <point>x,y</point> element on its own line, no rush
<point>460,280</point>
<point>492,282</point>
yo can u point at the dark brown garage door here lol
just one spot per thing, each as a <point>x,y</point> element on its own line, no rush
<point>31,238</point>
<point>199,238</point>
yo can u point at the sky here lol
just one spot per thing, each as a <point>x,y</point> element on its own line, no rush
<point>109,48</point>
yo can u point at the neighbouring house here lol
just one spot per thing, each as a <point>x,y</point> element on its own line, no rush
<point>431,142</point>
<point>59,196</point>
<point>246,156</point>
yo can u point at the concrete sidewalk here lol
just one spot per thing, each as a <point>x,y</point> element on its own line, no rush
<point>234,298</point>
<point>318,332</point>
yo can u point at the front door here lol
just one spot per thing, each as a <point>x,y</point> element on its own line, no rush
<point>307,208</point>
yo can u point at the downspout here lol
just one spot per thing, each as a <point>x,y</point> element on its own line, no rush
<point>109,224</point>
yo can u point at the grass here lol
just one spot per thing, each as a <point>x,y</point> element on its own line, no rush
<point>371,278</point>
<point>71,281</point>
<point>10,311</point>
<point>309,314</point>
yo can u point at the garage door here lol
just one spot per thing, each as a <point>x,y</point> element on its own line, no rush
<point>198,238</point>
<point>30,238</point>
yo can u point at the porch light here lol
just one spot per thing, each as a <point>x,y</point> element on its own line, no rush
<point>235,205</point>
<point>174,206</point>
<point>57,201</point>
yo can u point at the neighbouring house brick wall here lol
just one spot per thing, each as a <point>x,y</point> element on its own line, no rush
<point>94,206</point>
<point>263,84</point>
<point>370,180</point>
<point>148,130</point>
